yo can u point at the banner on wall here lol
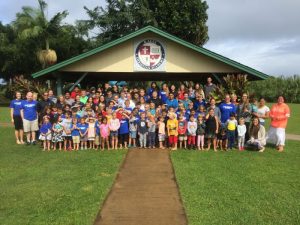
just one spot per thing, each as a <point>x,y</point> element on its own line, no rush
<point>149,55</point>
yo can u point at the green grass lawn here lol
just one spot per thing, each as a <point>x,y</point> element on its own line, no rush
<point>240,187</point>
<point>4,114</point>
<point>52,188</point>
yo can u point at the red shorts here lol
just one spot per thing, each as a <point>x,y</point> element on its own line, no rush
<point>172,139</point>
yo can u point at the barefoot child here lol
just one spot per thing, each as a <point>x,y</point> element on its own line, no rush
<point>172,128</point>
<point>114,125</point>
<point>200,132</point>
<point>192,128</point>
<point>151,131</point>
<point>98,136</point>
<point>57,134</point>
<point>67,124</point>
<point>241,134</point>
<point>182,129</point>
<point>222,139</point>
<point>91,132</point>
<point>231,126</point>
<point>124,130</point>
<point>211,130</point>
<point>104,132</point>
<point>132,130</point>
<point>161,132</point>
<point>83,129</point>
<point>75,134</point>
<point>45,133</point>
<point>142,130</point>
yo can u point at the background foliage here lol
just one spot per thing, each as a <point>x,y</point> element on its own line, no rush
<point>271,88</point>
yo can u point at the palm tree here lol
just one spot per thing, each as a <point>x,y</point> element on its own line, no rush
<point>32,23</point>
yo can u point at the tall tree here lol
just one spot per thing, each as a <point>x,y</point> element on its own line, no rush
<point>185,19</point>
<point>32,23</point>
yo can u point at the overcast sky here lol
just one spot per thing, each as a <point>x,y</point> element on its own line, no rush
<point>263,34</point>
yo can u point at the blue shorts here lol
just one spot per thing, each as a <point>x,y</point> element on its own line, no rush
<point>132,134</point>
<point>114,133</point>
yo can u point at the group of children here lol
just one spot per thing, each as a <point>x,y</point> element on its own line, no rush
<point>124,128</point>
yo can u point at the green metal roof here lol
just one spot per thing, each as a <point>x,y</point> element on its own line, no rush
<point>159,32</point>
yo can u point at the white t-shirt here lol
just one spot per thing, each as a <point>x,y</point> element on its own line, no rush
<point>262,111</point>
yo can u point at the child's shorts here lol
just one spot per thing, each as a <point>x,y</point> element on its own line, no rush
<point>84,138</point>
<point>172,139</point>
<point>161,137</point>
<point>123,138</point>
<point>114,133</point>
<point>67,138</point>
<point>132,134</point>
<point>45,137</point>
<point>76,139</point>
<point>182,137</point>
<point>97,140</point>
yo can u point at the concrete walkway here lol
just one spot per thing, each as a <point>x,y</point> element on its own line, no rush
<point>145,192</point>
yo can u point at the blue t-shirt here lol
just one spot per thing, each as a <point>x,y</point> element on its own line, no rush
<point>45,128</point>
<point>226,110</point>
<point>30,110</point>
<point>75,132</point>
<point>97,126</point>
<point>82,127</point>
<point>124,126</point>
<point>197,104</point>
<point>163,96</point>
<point>17,106</point>
<point>172,103</point>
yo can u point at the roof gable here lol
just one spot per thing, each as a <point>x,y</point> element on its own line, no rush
<point>161,33</point>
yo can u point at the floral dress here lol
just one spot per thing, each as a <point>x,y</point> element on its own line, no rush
<point>57,134</point>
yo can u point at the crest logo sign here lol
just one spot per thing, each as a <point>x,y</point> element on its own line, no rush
<point>149,55</point>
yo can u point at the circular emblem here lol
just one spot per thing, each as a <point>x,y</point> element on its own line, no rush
<point>150,54</point>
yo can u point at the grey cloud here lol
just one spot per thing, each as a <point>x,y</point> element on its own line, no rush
<point>253,19</point>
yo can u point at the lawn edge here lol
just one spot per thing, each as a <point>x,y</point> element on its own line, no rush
<point>179,190</point>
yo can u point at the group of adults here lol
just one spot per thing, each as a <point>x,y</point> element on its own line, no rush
<point>25,113</point>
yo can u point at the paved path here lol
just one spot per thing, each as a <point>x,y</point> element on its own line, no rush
<point>293,137</point>
<point>144,193</point>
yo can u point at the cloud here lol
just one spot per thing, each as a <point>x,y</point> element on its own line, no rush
<point>263,34</point>
<point>8,9</point>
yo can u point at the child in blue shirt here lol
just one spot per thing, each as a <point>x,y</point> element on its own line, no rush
<point>98,136</point>
<point>132,130</point>
<point>45,133</point>
<point>124,131</point>
<point>75,134</point>
<point>83,129</point>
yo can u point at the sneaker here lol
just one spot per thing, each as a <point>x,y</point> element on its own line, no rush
<point>33,142</point>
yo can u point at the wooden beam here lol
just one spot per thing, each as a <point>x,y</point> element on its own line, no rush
<point>59,85</point>
<point>78,81</point>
